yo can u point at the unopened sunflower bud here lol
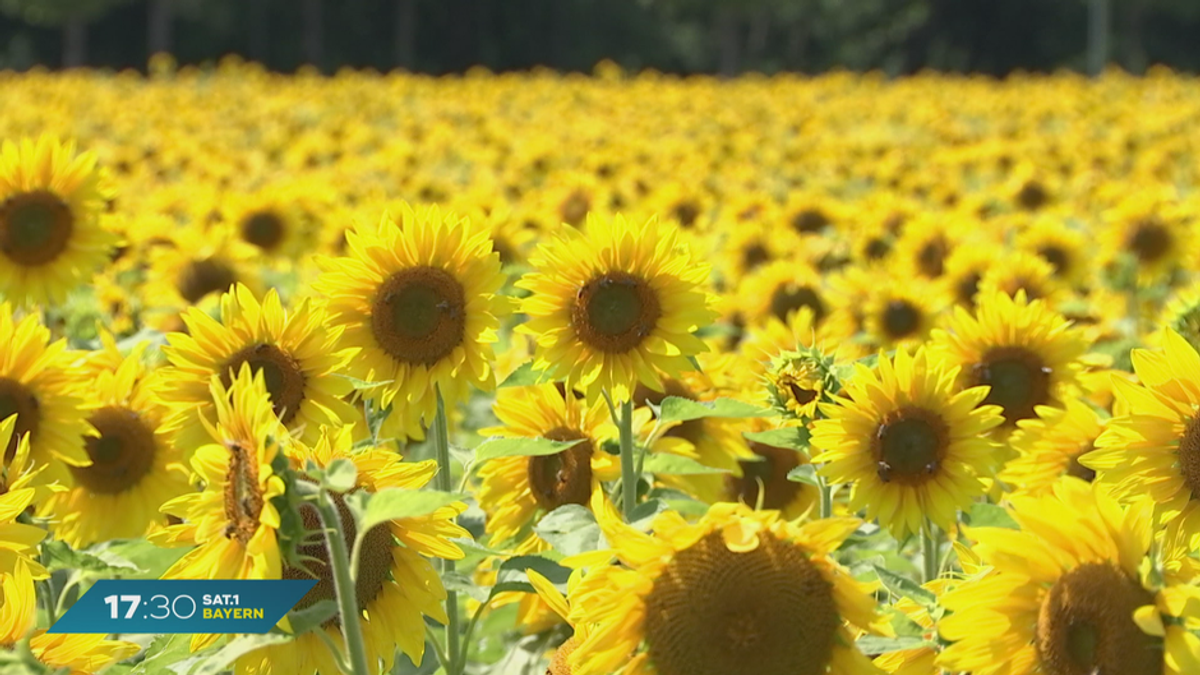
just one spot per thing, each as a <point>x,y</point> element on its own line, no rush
<point>798,380</point>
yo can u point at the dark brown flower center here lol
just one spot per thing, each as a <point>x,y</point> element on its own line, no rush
<point>242,496</point>
<point>931,258</point>
<point>121,455</point>
<point>686,212</point>
<point>1057,257</point>
<point>768,475</point>
<point>1018,378</point>
<point>1032,196</point>
<point>575,208</point>
<point>909,446</point>
<point>1151,240</point>
<point>754,256</point>
<point>1085,625</point>
<point>564,477</point>
<point>35,228</point>
<point>787,299</point>
<point>1189,456</point>
<point>374,566</point>
<point>282,373</point>
<point>559,665</point>
<point>615,312</point>
<point>201,277</point>
<point>966,288</point>
<point>419,315</point>
<point>768,611</point>
<point>810,221</point>
<point>17,399</point>
<point>264,229</point>
<point>901,319</point>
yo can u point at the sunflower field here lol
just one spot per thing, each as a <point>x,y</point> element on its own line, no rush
<point>587,375</point>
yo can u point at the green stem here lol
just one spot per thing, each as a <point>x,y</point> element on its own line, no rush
<point>929,552</point>
<point>629,474</point>
<point>826,499</point>
<point>445,483</point>
<point>462,666</point>
<point>339,560</point>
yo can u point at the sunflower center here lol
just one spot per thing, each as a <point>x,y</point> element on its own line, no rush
<point>754,256</point>
<point>243,498</point>
<point>121,455</point>
<point>1032,196</point>
<point>768,611</point>
<point>966,288</point>
<point>909,446</point>
<point>559,665</point>
<point>563,477</point>
<point>900,319</point>
<point>1150,241</point>
<point>877,248</point>
<point>574,208</point>
<point>1189,456</point>
<point>768,474</point>
<point>374,567</point>
<point>931,258</point>
<point>282,374</point>
<point>264,229</point>
<point>202,277</point>
<point>686,213</point>
<point>35,228</point>
<point>800,395</point>
<point>786,300</point>
<point>419,315</point>
<point>1074,468</point>
<point>15,399</point>
<point>1056,256</point>
<point>809,221</point>
<point>1085,625</point>
<point>615,312</point>
<point>1019,381</point>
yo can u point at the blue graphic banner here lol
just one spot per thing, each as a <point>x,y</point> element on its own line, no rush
<point>182,606</point>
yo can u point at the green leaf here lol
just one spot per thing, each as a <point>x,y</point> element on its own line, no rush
<point>677,409</point>
<point>235,649</point>
<point>455,581</point>
<point>520,447</point>
<point>905,587</point>
<point>165,650</point>
<point>340,476</point>
<point>151,561</point>
<point>525,375</point>
<point>512,575</point>
<point>805,473</point>
<point>874,645</point>
<point>363,385</point>
<point>983,514</point>
<point>59,556</point>
<point>644,514</point>
<point>571,529</point>
<point>792,438</point>
<point>309,618</point>
<point>396,503</point>
<point>682,502</point>
<point>677,465</point>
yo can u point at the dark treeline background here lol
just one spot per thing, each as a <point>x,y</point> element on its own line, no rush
<point>682,36</point>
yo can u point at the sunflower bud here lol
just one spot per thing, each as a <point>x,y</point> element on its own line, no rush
<point>797,381</point>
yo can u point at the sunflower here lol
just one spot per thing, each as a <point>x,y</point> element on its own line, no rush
<point>925,245</point>
<point>135,468</point>
<point>270,220</point>
<point>1026,352</point>
<point>231,520</point>
<point>396,587</point>
<point>73,654</point>
<point>294,350</point>
<point>51,239</point>
<point>738,591</point>
<point>779,288</point>
<point>1149,231</point>
<point>1066,596</point>
<point>1154,447</point>
<point>36,385</point>
<point>1063,247</point>
<point>18,541</point>
<point>902,313</point>
<point>910,444</point>
<point>515,490</point>
<point>615,304</point>
<point>965,267</point>
<point>1182,315</point>
<point>1023,271</point>
<point>1050,446</point>
<point>419,298</point>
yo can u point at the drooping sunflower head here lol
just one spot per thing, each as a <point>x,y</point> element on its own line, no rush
<point>1027,353</point>
<point>615,304</point>
<point>294,349</point>
<point>1067,592</point>
<point>909,443</point>
<point>516,489</point>
<point>232,521</point>
<point>396,587</point>
<point>51,237</point>
<point>739,591</point>
<point>419,297</point>
<point>1050,446</point>
<point>36,386</point>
